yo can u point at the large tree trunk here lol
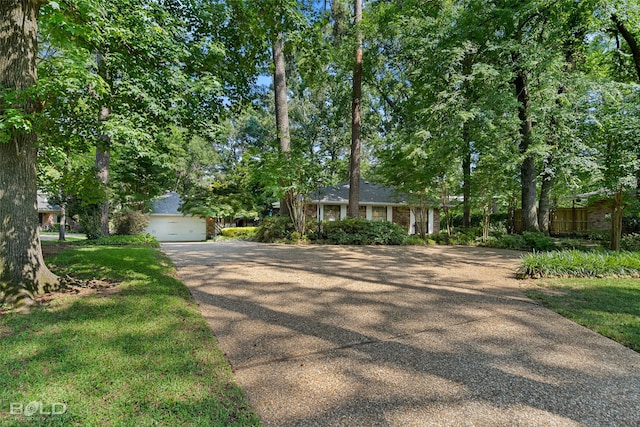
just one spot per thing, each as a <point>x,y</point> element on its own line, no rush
<point>23,273</point>
<point>282,111</point>
<point>280,91</point>
<point>353,209</point>
<point>528,168</point>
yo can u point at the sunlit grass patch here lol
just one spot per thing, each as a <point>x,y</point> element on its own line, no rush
<point>608,306</point>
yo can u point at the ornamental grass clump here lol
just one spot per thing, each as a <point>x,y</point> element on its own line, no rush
<point>574,263</point>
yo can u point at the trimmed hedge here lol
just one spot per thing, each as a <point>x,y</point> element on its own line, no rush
<point>360,231</point>
<point>239,232</point>
<point>139,239</point>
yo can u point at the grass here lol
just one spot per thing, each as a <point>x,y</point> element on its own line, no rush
<point>139,355</point>
<point>608,306</point>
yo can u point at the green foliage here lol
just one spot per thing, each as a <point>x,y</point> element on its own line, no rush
<point>538,241</point>
<point>416,240</point>
<point>129,223</point>
<point>239,232</point>
<point>360,231</point>
<point>463,237</point>
<point>139,239</point>
<point>575,263</point>
<point>275,229</point>
<point>607,306</point>
<point>90,224</point>
<point>631,242</point>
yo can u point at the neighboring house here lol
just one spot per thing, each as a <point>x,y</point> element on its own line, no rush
<point>48,214</point>
<point>377,203</point>
<point>167,224</point>
<point>588,212</point>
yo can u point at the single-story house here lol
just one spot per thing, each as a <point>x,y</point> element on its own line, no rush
<point>48,213</point>
<point>168,224</point>
<point>377,203</point>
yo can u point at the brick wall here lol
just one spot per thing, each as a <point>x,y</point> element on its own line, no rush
<point>599,216</point>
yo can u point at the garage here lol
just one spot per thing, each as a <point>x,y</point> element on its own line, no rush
<point>167,224</point>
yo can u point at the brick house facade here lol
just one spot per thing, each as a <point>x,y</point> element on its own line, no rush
<point>377,203</point>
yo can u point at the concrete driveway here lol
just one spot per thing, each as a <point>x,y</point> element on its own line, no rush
<point>401,336</point>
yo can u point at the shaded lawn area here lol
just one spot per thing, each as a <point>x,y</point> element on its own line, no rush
<point>609,306</point>
<point>139,354</point>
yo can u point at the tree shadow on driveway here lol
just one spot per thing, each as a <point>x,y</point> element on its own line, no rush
<point>323,335</point>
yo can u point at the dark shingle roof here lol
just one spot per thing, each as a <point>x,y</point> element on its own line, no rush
<point>44,205</point>
<point>370,193</point>
<point>167,204</point>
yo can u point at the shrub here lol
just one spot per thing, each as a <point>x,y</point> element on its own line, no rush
<point>138,239</point>
<point>275,229</point>
<point>538,241</point>
<point>130,223</point>
<point>463,237</point>
<point>508,241</point>
<point>360,231</point>
<point>239,232</point>
<point>90,225</point>
<point>416,240</point>
<point>631,242</point>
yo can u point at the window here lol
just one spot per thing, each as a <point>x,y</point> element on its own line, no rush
<point>379,213</point>
<point>331,213</point>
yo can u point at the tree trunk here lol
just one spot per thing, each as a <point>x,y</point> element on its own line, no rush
<point>486,220</point>
<point>631,41</point>
<point>63,221</point>
<point>528,168</point>
<point>544,211</point>
<point>353,210</point>
<point>103,162</point>
<point>635,54</point>
<point>23,273</point>
<point>282,111</point>
<point>467,63</point>
<point>466,173</point>
<point>616,220</point>
<point>103,155</point>
<point>280,92</point>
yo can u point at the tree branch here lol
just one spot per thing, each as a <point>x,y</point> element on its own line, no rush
<point>631,41</point>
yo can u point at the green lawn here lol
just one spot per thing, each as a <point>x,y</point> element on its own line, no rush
<point>138,355</point>
<point>609,306</point>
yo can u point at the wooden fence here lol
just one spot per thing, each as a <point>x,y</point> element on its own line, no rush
<point>563,220</point>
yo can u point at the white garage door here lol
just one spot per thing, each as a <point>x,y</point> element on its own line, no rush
<point>177,228</point>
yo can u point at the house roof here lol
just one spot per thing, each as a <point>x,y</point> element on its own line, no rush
<point>370,193</point>
<point>167,204</point>
<point>44,205</point>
